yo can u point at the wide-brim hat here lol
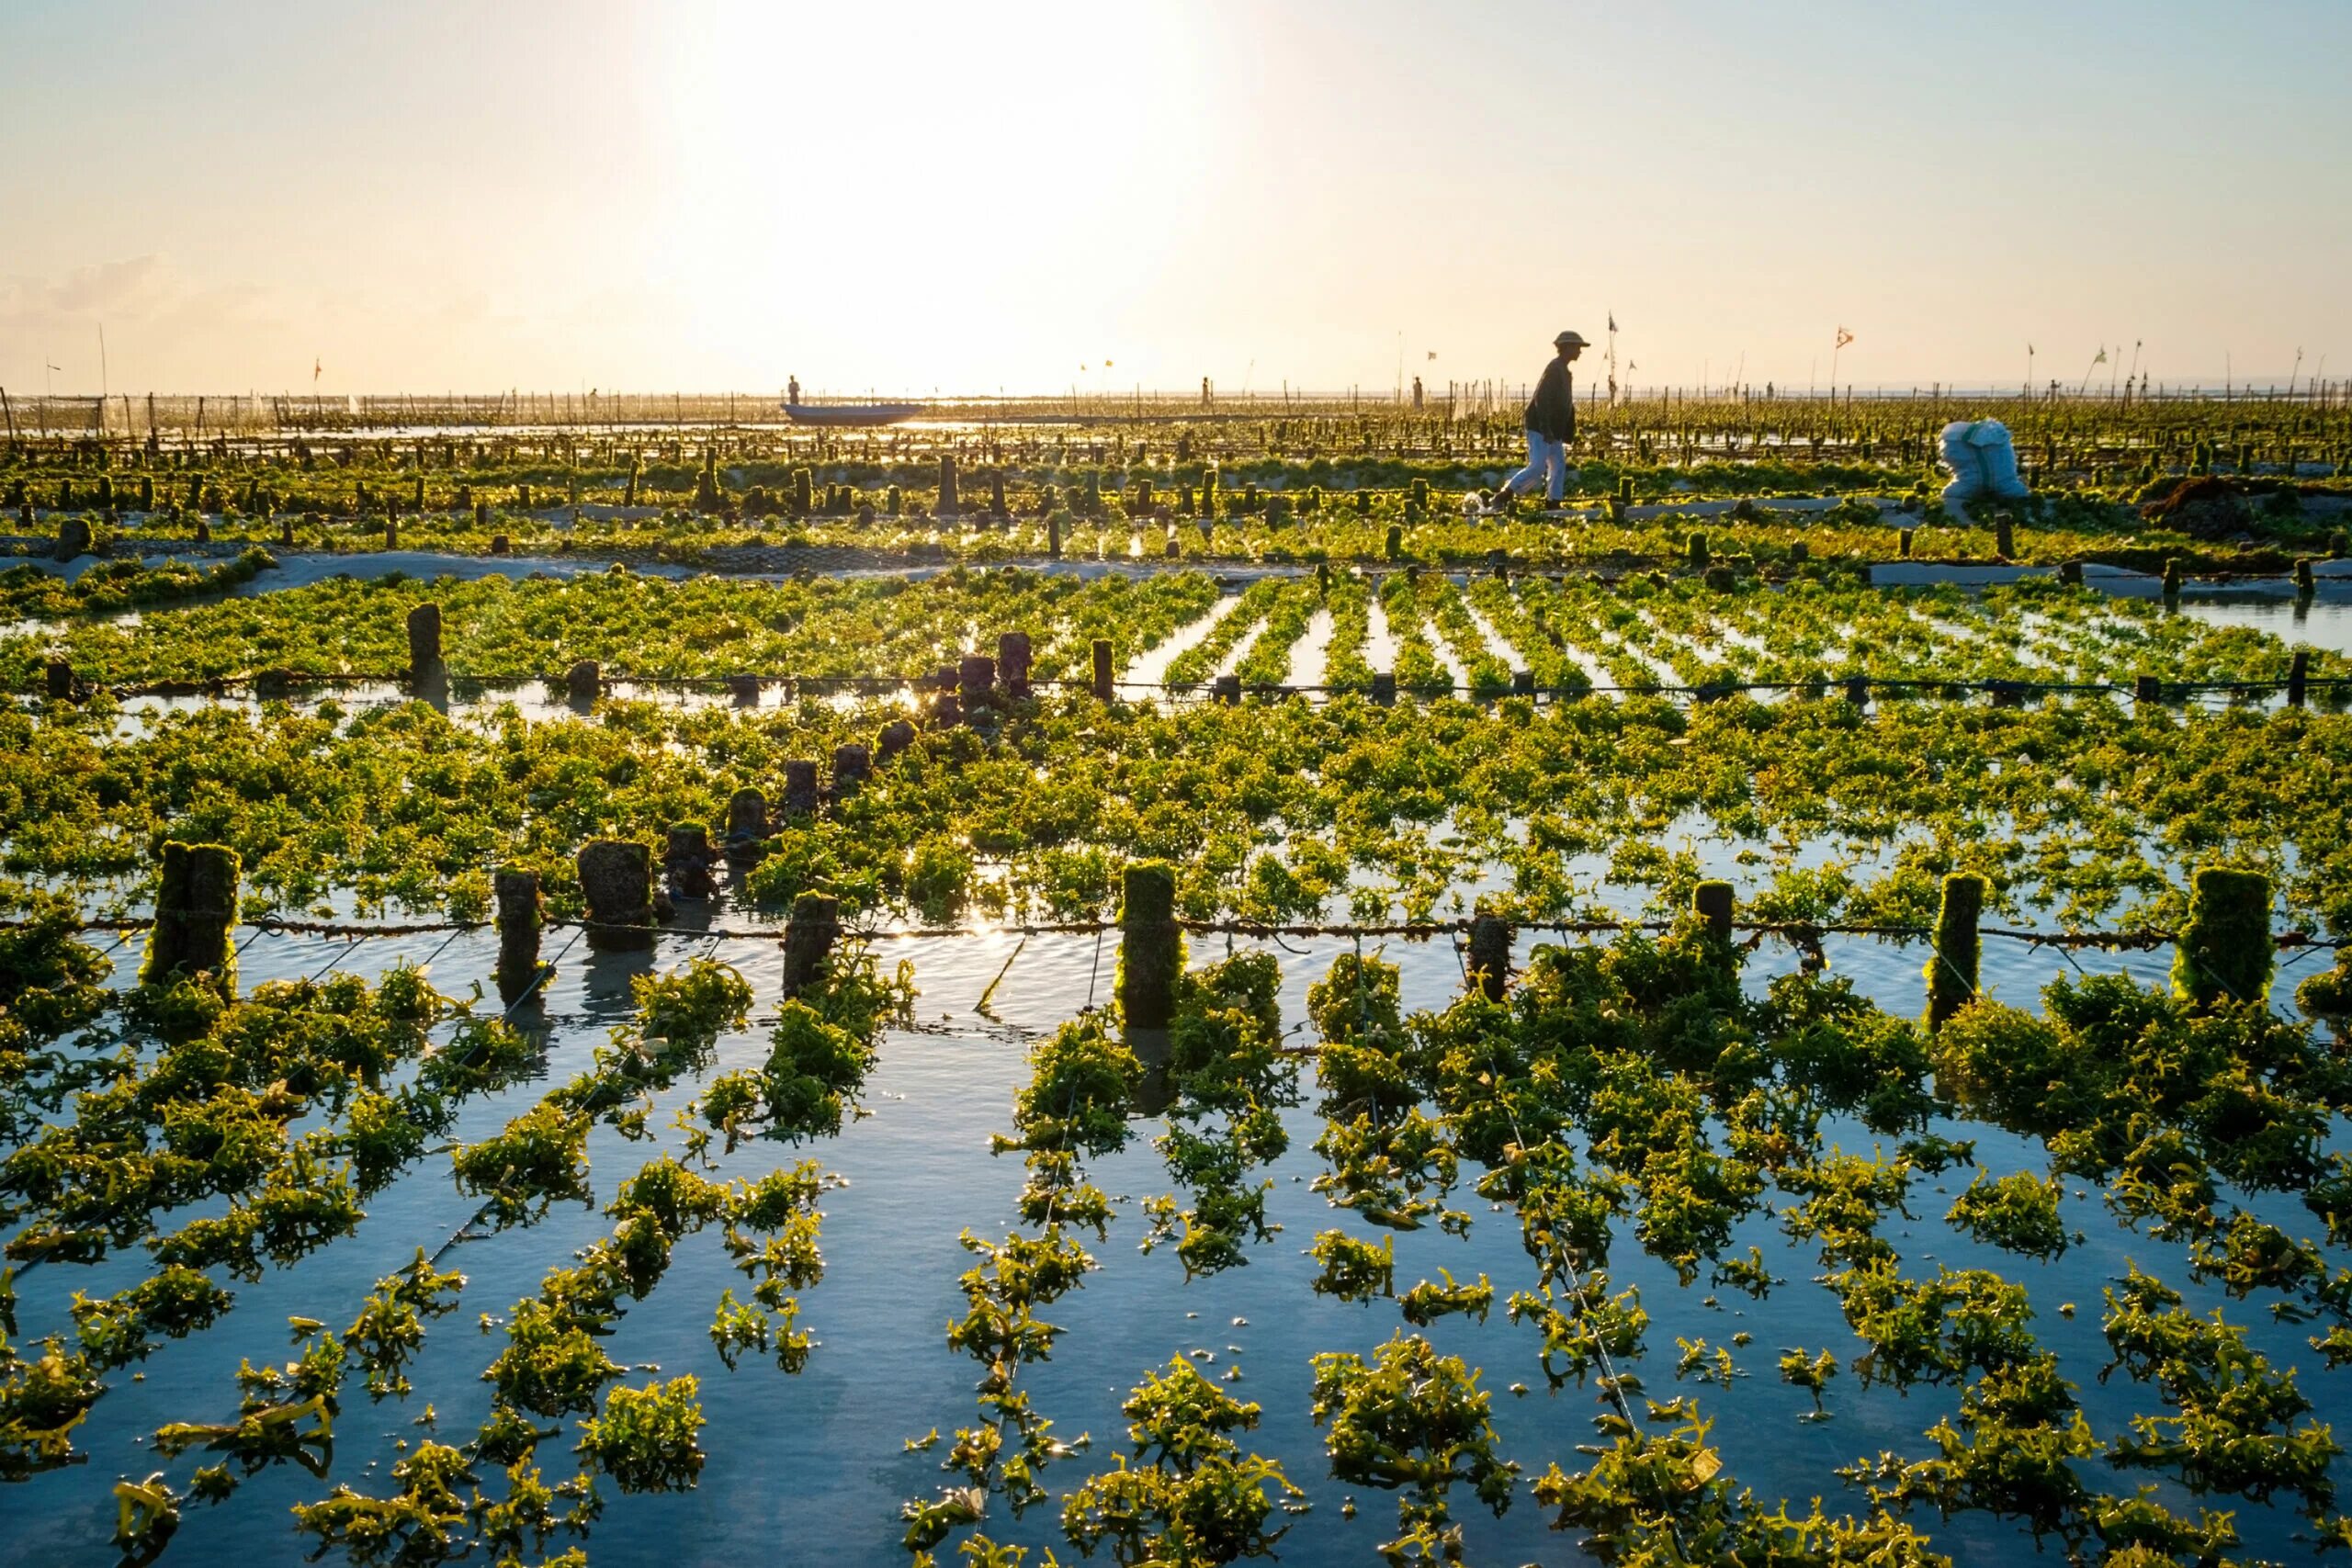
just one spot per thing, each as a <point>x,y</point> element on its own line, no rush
<point>1565,339</point>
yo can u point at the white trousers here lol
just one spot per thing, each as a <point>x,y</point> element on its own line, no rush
<point>1547,461</point>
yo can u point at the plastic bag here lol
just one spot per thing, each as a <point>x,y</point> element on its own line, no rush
<point>1996,457</point>
<point>1965,459</point>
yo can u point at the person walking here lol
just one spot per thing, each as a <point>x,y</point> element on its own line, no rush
<point>1550,426</point>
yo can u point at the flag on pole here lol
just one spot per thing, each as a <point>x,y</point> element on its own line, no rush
<point>1432,354</point>
<point>2101,357</point>
<point>1612,320</point>
<point>1844,337</point>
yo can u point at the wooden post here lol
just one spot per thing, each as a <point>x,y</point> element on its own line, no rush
<point>1523,683</point>
<point>196,908</point>
<point>744,690</point>
<point>1489,965</point>
<point>896,736</point>
<point>1227,690</point>
<point>800,797</point>
<point>617,881</point>
<point>423,642</point>
<point>2306,584</point>
<point>2070,573</point>
<point>809,939</point>
<point>1012,664</point>
<point>516,893</point>
<point>1951,971</point>
<point>1858,689</point>
<point>2005,537</point>
<point>2172,577</point>
<point>584,680</point>
<point>72,539</point>
<point>975,681</point>
<point>747,824</point>
<point>1054,536</point>
<point>1384,687</point>
<point>1151,949</point>
<point>1102,690</point>
<point>2298,674</point>
<point>2147,689</point>
<point>853,765</point>
<point>2225,953</point>
<point>687,860</point>
<point>1712,902</point>
<point>58,675</point>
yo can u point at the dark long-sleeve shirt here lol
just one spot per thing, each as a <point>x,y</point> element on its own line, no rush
<point>1552,412</point>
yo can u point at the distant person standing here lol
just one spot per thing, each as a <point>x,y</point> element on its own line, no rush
<point>792,392</point>
<point>1550,426</point>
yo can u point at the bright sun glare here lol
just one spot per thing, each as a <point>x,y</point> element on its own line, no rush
<point>844,190</point>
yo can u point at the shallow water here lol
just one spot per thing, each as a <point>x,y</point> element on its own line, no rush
<point>810,1468</point>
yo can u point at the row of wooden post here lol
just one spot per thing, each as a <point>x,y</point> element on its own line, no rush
<point>2224,952</point>
<point>974,679</point>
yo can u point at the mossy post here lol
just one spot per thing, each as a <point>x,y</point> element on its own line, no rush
<point>1952,965</point>
<point>1903,543</point>
<point>1151,949</point>
<point>2147,689</point>
<point>800,798</point>
<point>895,738</point>
<point>59,678</point>
<point>1227,690</point>
<point>687,860</point>
<point>616,882</point>
<point>1695,549</point>
<point>2225,953</point>
<point>1013,656</point>
<point>423,642</point>
<point>1712,901</point>
<point>975,681</point>
<point>1102,669</point>
<point>948,503</point>
<point>1054,536</point>
<point>2005,537</point>
<point>516,893</point>
<point>196,908</point>
<point>1383,688</point>
<point>747,824</point>
<point>1489,961</point>
<point>743,691</point>
<point>853,765</point>
<point>2305,584</point>
<point>2070,573</point>
<point>1396,545</point>
<point>2172,577</point>
<point>2299,677</point>
<point>583,681</point>
<point>809,939</point>
<point>1858,689</point>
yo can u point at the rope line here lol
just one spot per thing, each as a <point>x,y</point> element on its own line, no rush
<point>2146,936</point>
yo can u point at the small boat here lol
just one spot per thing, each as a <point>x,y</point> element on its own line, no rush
<point>850,414</point>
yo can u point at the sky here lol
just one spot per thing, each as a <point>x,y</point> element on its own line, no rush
<point>925,197</point>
